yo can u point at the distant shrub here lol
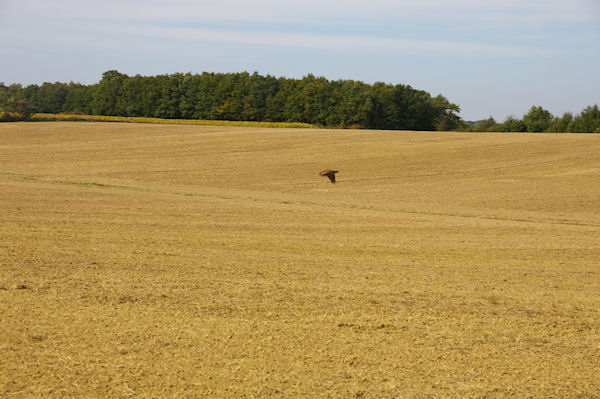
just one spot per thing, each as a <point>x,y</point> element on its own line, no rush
<point>134,119</point>
<point>10,117</point>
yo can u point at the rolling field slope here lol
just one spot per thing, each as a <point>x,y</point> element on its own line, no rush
<point>211,261</point>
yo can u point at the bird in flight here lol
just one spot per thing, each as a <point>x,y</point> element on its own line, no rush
<point>329,173</point>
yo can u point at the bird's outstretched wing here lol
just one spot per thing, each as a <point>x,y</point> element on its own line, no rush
<point>329,173</point>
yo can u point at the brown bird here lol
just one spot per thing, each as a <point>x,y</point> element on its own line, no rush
<point>329,173</point>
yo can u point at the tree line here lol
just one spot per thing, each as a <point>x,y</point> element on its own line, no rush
<point>254,97</point>
<point>241,97</point>
<point>540,120</point>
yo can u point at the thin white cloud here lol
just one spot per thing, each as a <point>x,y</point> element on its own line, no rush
<point>125,23</point>
<point>334,42</point>
<point>510,11</point>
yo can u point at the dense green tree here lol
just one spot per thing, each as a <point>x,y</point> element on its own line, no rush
<point>171,95</point>
<point>315,99</point>
<point>446,114</point>
<point>8,94</point>
<point>381,115</point>
<point>351,104</point>
<point>202,95</point>
<point>294,106</point>
<point>228,98</point>
<point>561,125</point>
<point>276,103</point>
<point>108,98</point>
<point>51,97</point>
<point>537,119</point>
<point>133,96</point>
<point>14,101</point>
<point>188,92</point>
<point>512,124</point>
<point>259,89</point>
<point>486,125</point>
<point>3,95</point>
<point>30,94</point>
<point>588,121</point>
<point>78,99</point>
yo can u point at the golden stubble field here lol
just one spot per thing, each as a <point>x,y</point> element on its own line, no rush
<point>203,261</point>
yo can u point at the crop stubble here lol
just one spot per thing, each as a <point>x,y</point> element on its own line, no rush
<point>211,261</point>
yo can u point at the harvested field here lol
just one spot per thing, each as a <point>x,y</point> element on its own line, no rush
<point>212,261</point>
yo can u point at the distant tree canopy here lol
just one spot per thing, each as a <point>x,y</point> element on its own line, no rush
<point>539,120</point>
<point>242,97</point>
<point>253,97</point>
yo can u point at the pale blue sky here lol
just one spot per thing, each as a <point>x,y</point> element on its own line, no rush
<point>493,58</point>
